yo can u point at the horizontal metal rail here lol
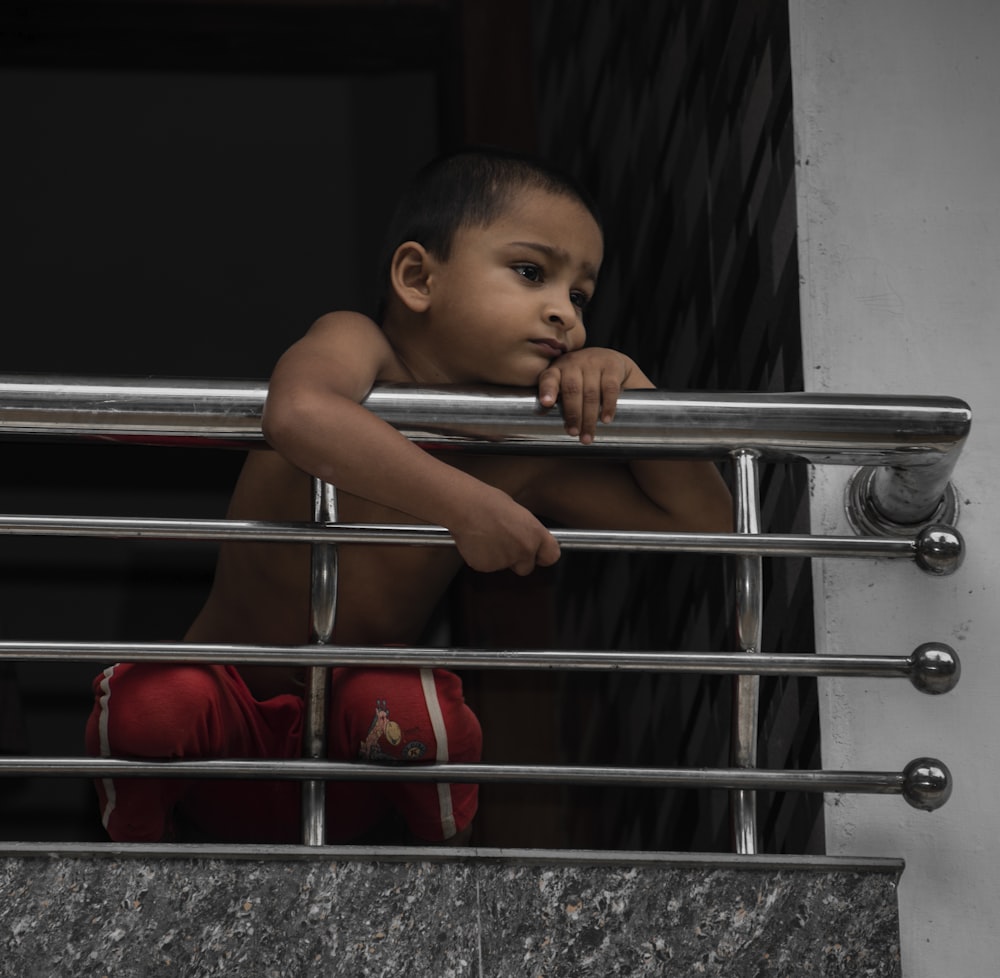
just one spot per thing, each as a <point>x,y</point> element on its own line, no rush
<point>913,442</point>
<point>868,782</point>
<point>772,544</point>
<point>936,549</point>
<point>931,667</point>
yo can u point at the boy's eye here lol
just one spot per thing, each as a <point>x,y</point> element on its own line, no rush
<point>531,272</point>
<point>579,299</point>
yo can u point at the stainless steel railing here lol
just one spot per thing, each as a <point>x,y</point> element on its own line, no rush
<point>900,503</point>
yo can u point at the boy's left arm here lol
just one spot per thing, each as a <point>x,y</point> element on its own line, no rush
<point>644,494</point>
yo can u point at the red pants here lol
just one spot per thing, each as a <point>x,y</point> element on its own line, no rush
<point>190,711</point>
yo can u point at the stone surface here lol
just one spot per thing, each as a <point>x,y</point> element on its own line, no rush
<point>126,914</point>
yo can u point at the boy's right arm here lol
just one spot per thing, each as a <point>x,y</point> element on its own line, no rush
<point>314,418</point>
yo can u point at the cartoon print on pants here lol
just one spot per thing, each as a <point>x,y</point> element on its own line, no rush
<point>382,727</point>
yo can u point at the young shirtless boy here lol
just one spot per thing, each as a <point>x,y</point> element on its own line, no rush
<point>492,260</point>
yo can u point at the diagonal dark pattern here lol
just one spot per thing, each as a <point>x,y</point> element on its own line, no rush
<point>677,115</point>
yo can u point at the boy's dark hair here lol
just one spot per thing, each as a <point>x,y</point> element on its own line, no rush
<point>468,188</point>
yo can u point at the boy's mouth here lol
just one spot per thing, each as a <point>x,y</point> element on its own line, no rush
<point>552,348</point>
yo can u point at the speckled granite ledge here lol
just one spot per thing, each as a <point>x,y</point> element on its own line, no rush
<point>141,912</point>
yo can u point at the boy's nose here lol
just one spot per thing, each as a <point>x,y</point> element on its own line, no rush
<point>561,315</point>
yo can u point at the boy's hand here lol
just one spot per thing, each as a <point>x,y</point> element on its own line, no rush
<point>587,383</point>
<point>496,533</point>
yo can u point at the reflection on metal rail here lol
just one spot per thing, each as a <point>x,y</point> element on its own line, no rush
<point>901,504</point>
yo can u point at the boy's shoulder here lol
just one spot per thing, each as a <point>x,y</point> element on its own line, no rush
<point>347,337</point>
<point>347,324</point>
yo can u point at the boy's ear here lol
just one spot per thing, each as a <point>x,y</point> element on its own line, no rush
<point>409,275</point>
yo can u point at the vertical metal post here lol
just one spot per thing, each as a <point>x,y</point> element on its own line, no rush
<point>322,615</point>
<point>746,689</point>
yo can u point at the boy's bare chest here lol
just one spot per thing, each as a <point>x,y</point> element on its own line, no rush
<point>386,592</point>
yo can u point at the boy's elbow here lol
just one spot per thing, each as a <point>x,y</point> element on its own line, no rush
<point>271,424</point>
<point>281,418</point>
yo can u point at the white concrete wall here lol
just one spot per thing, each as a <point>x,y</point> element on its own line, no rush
<point>898,129</point>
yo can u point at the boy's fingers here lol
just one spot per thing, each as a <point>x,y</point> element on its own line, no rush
<point>546,555</point>
<point>548,386</point>
<point>548,552</point>
<point>600,402</point>
<point>610,390</point>
<point>591,411</point>
<point>586,398</point>
<point>571,399</point>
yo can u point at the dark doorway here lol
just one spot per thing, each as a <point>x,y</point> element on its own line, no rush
<point>188,185</point>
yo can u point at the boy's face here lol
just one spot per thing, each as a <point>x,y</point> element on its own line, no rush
<point>510,299</point>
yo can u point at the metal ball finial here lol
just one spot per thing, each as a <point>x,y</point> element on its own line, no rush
<point>935,668</point>
<point>926,783</point>
<point>940,549</point>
